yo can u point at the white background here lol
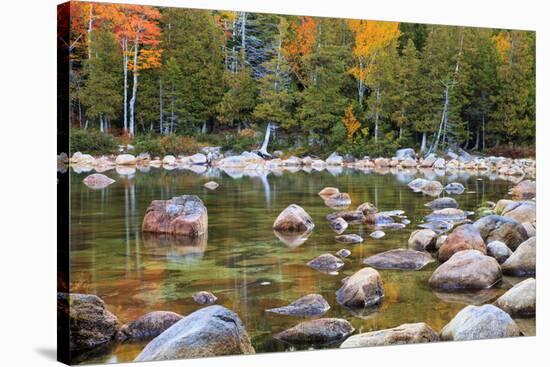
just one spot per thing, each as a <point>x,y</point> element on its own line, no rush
<point>28,181</point>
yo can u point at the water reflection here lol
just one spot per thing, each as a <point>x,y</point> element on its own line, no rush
<point>242,261</point>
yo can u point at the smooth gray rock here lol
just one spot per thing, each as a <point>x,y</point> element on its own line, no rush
<point>402,334</point>
<point>319,331</point>
<point>480,322</point>
<point>349,238</point>
<point>403,259</point>
<point>499,251</point>
<point>326,263</point>
<point>362,289</point>
<point>499,228</point>
<point>422,240</point>
<point>442,203</point>
<point>523,262</point>
<point>210,331</point>
<point>521,299</point>
<point>467,269</point>
<point>310,305</point>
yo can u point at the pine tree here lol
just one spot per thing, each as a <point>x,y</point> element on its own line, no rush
<point>102,92</point>
<point>239,101</point>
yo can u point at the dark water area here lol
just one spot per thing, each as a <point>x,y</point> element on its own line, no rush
<point>242,261</point>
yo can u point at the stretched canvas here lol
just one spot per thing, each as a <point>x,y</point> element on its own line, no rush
<point>238,183</point>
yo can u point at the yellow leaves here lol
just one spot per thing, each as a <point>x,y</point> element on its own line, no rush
<point>372,36</point>
<point>351,122</point>
<point>503,44</point>
<point>371,39</point>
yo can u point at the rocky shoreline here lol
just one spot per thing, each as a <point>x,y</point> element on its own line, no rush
<point>404,160</point>
<point>472,256</point>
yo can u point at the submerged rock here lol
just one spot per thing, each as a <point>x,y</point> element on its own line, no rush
<point>480,322</point>
<point>422,240</point>
<point>404,259</point>
<point>447,214</point>
<point>326,263</point>
<point>292,239</point>
<point>349,238</point>
<point>377,234</point>
<point>97,181</point>
<point>343,253</point>
<point>455,188</point>
<point>90,323</point>
<point>442,203</point>
<point>210,331</point>
<point>499,228</point>
<point>464,237</point>
<point>204,298</point>
<point>338,225</point>
<point>211,185</point>
<point>362,289</point>
<point>353,216</point>
<point>148,326</point>
<point>310,305</point>
<point>293,219</point>
<point>402,334</point>
<point>520,300</point>
<point>182,215</point>
<point>468,269</point>
<point>499,251</point>
<point>438,226</point>
<point>318,331</point>
<point>523,261</point>
<point>338,200</point>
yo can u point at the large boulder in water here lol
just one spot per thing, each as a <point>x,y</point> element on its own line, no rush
<point>468,269</point>
<point>148,326</point>
<point>403,259</point>
<point>97,181</point>
<point>293,219</point>
<point>306,306</point>
<point>362,289</point>
<point>499,251</point>
<point>402,334</point>
<point>182,215</point>
<point>521,299</point>
<point>422,240</point>
<point>90,323</point>
<point>210,331</point>
<point>524,190</point>
<point>499,228</point>
<point>523,261</point>
<point>464,237</point>
<point>480,322</point>
<point>318,331</point>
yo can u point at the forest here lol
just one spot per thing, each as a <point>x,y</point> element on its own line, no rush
<point>170,80</point>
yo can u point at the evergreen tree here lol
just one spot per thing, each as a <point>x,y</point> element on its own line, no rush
<point>102,92</point>
<point>239,101</point>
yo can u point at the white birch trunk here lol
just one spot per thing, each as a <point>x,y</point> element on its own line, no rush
<point>125,59</point>
<point>161,107</point>
<point>134,88</point>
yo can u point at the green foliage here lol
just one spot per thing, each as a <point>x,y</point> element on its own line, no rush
<point>92,142</point>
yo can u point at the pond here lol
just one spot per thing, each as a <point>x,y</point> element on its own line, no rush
<point>242,261</point>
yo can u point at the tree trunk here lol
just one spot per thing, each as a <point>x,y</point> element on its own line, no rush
<point>134,88</point>
<point>423,145</point>
<point>161,107</point>
<point>125,59</point>
<point>377,114</point>
<point>101,123</point>
<point>263,149</point>
<point>243,40</point>
<point>483,131</point>
<point>476,147</point>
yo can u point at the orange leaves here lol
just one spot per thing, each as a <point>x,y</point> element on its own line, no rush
<point>300,42</point>
<point>351,123</point>
<point>134,26</point>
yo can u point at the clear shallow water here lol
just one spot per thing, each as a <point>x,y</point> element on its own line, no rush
<point>242,261</point>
